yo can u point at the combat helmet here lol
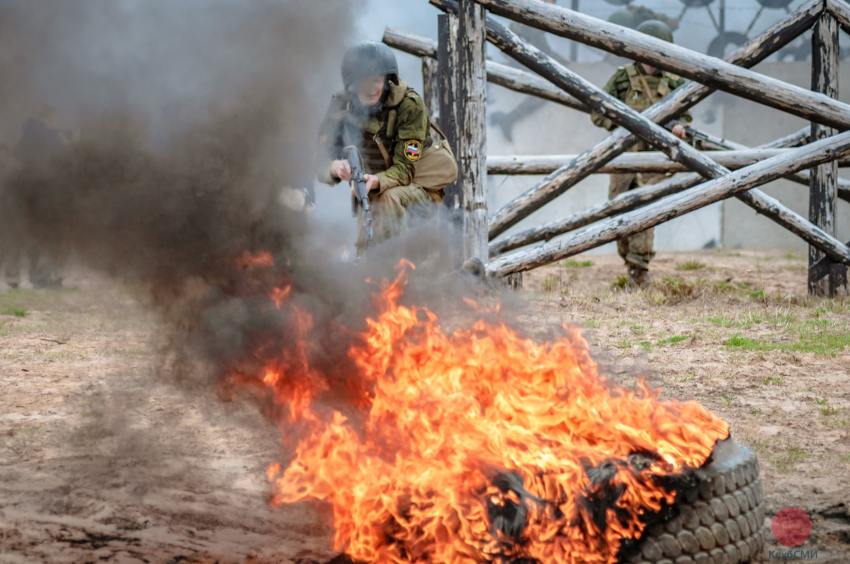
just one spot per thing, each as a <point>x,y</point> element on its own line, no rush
<point>657,29</point>
<point>623,18</point>
<point>366,59</point>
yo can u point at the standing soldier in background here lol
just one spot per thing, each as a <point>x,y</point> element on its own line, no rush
<point>640,85</point>
<point>38,145</point>
<point>7,162</point>
<point>407,159</point>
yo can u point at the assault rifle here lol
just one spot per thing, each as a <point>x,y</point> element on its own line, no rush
<point>704,140</point>
<point>358,180</point>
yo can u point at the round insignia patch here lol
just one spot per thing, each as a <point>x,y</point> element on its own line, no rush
<point>412,150</point>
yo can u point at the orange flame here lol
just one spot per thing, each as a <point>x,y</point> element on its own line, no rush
<point>261,259</point>
<point>467,432</point>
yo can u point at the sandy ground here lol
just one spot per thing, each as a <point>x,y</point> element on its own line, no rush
<point>103,458</point>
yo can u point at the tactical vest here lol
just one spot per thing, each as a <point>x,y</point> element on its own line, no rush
<point>379,134</point>
<point>645,89</point>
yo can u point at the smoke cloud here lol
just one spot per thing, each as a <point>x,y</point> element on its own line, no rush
<point>183,120</point>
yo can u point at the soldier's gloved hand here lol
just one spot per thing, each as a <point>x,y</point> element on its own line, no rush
<point>372,182</point>
<point>341,169</point>
<point>679,131</point>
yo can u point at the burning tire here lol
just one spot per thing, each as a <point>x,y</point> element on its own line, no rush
<point>718,520</point>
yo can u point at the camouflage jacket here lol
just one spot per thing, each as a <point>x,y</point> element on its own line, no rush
<point>390,141</point>
<point>639,90</point>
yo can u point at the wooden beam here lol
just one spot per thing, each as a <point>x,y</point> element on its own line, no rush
<point>822,194</point>
<point>410,43</point>
<point>652,133</point>
<point>626,201</point>
<point>682,99</point>
<point>497,73</point>
<point>704,69</point>
<point>622,203</point>
<point>645,161</point>
<point>446,87</point>
<point>840,10</point>
<point>735,183</point>
<point>472,128</point>
<point>430,87</point>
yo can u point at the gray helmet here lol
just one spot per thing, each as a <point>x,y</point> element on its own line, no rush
<point>623,17</point>
<point>366,59</point>
<point>657,29</point>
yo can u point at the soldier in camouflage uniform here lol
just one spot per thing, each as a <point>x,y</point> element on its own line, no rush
<point>640,86</point>
<point>389,122</point>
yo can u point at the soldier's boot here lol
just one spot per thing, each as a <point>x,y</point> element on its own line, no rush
<point>638,276</point>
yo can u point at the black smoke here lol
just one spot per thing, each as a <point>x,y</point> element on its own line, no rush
<point>181,121</point>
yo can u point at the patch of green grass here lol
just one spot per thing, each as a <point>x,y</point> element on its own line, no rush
<point>621,282</point>
<point>723,287</point>
<point>784,460</point>
<point>823,337</point>
<point>551,283</point>
<point>840,423</point>
<point>757,295</point>
<point>675,339</point>
<point>672,290</point>
<point>690,265</point>
<point>590,324</point>
<point>825,409</point>
<point>646,345</point>
<point>772,381</point>
<point>741,289</point>
<point>828,411</point>
<point>749,320</point>
<point>722,321</point>
<point>572,263</point>
<point>745,343</point>
<point>15,311</point>
<point>624,344</point>
<point>637,329</point>
<point>823,343</point>
<point>727,399</point>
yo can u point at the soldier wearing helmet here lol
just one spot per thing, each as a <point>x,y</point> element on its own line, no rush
<point>640,86</point>
<point>407,160</point>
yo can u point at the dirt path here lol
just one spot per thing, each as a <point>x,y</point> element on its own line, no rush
<point>100,457</point>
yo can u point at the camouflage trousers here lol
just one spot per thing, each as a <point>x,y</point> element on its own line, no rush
<point>392,211</point>
<point>636,250</point>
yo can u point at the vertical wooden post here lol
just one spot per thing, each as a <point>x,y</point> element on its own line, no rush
<point>472,128</point>
<point>822,185</point>
<point>430,89</point>
<point>446,88</point>
<point>574,44</point>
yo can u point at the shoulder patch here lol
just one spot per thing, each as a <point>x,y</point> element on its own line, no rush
<point>412,150</point>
